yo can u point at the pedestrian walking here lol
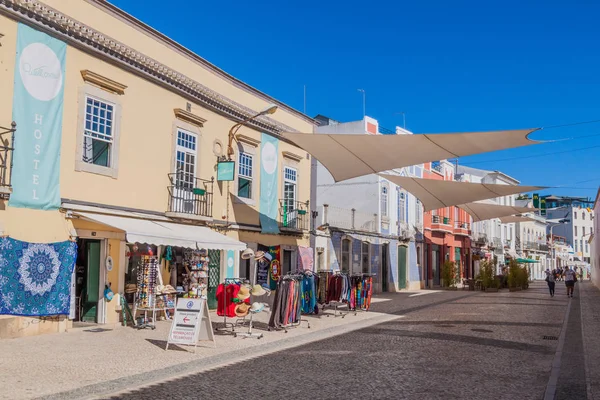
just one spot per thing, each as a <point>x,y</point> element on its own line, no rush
<point>550,280</point>
<point>570,279</point>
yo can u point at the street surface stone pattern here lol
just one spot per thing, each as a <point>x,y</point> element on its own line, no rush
<point>469,346</point>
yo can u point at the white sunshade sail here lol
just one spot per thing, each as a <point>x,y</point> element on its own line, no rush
<point>436,194</point>
<point>515,218</point>
<point>481,211</point>
<point>349,156</point>
<point>166,233</point>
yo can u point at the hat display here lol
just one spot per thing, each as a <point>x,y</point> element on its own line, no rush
<point>257,307</point>
<point>244,292</point>
<point>259,255</point>
<point>130,288</point>
<point>258,290</point>
<point>268,257</point>
<point>247,254</point>
<point>241,310</point>
<point>169,289</point>
<point>159,289</point>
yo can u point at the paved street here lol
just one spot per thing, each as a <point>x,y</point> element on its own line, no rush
<point>446,345</point>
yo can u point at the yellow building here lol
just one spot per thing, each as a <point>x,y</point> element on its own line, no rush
<point>145,122</point>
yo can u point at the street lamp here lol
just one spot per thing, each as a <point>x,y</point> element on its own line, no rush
<point>232,132</point>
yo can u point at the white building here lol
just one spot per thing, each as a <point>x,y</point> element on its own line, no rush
<point>532,244</point>
<point>367,224</point>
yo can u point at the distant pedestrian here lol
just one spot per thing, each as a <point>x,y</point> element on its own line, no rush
<point>551,281</point>
<point>570,279</point>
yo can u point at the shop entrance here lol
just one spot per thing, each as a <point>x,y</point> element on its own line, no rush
<point>435,264</point>
<point>214,277</point>
<point>402,267</point>
<point>384,267</point>
<point>87,280</point>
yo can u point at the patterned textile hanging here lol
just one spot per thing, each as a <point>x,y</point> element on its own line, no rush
<point>35,278</point>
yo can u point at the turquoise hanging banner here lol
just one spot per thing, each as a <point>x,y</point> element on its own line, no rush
<point>269,166</point>
<point>38,111</point>
<point>230,264</point>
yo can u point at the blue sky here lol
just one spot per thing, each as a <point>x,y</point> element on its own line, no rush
<point>450,66</point>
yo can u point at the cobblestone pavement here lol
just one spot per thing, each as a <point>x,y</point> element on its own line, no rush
<point>449,346</point>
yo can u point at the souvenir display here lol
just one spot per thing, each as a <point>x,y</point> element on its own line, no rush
<point>195,280</point>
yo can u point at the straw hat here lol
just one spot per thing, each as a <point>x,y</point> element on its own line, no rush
<point>258,290</point>
<point>159,289</point>
<point>241,310</point>
<point>257,307</point>
<point>247,254</point>
<point>259,255</point>
<point>169,289</point>
<point>244,292</point>
<point>130,288</point>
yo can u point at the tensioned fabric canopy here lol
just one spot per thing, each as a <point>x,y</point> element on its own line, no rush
<point>352,155</point>
<point>435,194</point>
<point>166,233</point>
<point>481,211</point>
<point>515,218</point>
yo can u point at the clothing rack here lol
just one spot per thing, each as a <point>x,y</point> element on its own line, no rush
<point>297,276</point>
<point>366,289</point>
<point>227,282</point>
<point>336,303</point>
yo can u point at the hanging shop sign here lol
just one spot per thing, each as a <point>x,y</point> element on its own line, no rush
<point>225,171</point>
<point>543,205</point>
<point>38,110</point>
<point>536,200</point>
<point>191,323</point>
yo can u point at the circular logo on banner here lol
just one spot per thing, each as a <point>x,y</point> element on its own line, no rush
<point>275,270</point>
<point>230,262</point>
<point>40,71</point>
<point>269,158</point>
<point>190,304</point>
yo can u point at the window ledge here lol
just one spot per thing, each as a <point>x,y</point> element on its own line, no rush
<point>248,140</point>
<point>103,82</point>
<point>188,117</point>
<point>96,169</point>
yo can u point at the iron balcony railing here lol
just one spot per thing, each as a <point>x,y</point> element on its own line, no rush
<point>481,239</point>
<point>7,139</point>
<point>437,166</point>
<point>189,195</point>
<point>293,215</point>
<point>438,219</point>
<point>462,225</point>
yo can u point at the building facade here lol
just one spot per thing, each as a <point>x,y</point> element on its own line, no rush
<point>143,129</point>
<point>532,244</point>
<point>368,224</point>
<point>579,225</point>
<point>595,244</point>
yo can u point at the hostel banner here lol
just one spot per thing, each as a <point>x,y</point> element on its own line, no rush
<point>269,199</point>
<point>37,110</point>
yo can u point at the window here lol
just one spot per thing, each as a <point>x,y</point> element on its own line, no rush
<point>345,259</point>
<point>286,266</point>
<point>575,215</point>
<point>245,176</point>
<point>401,206</point>
<point>365,257</point>
<point>582,215</point>
<point>575,231</point>
<point>185,160</point>
<point>575,243</point>
<point>98,134</point>
<point>384,201</point>
<point>320,261</point>
<point>581,244</point>
<point>583,231</point>
<point>418,211</point>
<point>586,246</point>
<point>290,180</point>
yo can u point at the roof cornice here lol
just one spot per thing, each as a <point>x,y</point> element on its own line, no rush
<point>82,36</point>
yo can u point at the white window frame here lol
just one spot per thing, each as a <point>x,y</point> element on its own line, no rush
<point>250,177</point>
<point>385,200</point>
<point>349,266</point>
<point>249,149</point>
<point>368,254</point>
<point>402,217</point>
<point>88,91</point>
<point>294,182</point>
<point>193,140</point>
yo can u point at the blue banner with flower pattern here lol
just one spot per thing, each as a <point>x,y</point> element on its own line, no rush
<point>35,278</point>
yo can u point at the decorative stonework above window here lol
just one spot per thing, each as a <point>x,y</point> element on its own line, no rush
<point>248,140</point>
<point>291,156</point>
<point>188,117</point>
<point>103,82</point>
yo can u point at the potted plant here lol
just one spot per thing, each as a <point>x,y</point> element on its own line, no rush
<point>449,275</point>
<point>514,276</point>
<point>488,281</point>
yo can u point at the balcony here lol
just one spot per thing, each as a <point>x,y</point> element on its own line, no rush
<point>535,246</point>
<point>293,215</point>
<point>462,228</point>
<point>7,138</point>
<point>189,197</point>
<point>481,239</point>
<point>441,224</point>
<point>437,167</point>
<point>404,231</point>
<point>496,243</point>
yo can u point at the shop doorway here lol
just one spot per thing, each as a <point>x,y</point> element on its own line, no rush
<point>214,277</point>
<point>402,250</point>
<point>87,281</point>
<point>286,266</point>
<point>435,264</point>
<point>384,267</point>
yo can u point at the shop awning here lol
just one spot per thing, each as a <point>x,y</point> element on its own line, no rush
<point>351,155</point>
<point>435,194</point>
<point>162,233</point>
<point>482,211</point>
